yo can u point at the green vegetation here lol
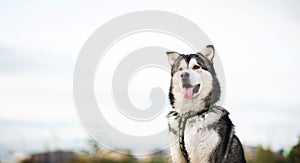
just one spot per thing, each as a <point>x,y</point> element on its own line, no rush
<point>294,156</point>
<point>97,155</point>
<point>94,154</point>
<point>266,155</point>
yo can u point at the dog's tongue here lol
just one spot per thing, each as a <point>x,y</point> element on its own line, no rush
<point>188,92</point>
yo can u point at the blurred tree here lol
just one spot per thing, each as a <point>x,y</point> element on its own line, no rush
<point>264,155</point>
<point>294,156</point>
<point>93,146</point>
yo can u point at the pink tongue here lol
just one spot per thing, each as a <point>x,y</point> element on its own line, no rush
<point>188,92</point>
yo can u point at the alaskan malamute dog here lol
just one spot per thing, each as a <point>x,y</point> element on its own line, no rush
<point>202,131</point>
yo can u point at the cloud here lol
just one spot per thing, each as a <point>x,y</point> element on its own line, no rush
<point>15,60</point>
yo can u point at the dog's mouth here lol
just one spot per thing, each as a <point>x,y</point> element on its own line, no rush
<point>189,91</point>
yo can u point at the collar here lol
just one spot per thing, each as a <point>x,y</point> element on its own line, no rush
<point>182,122</point>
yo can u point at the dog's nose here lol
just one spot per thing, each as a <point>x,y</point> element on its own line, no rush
<point>185,75</point>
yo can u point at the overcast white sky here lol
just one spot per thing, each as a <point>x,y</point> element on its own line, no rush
<point>258,43</point>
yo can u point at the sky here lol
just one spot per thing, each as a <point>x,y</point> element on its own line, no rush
<point>257,41</point>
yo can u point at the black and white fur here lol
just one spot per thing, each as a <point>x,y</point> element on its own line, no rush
<point>209,137</point>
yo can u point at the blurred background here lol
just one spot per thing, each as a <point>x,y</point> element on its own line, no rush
<point>257,41</point>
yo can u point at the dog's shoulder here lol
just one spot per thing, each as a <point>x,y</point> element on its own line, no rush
<point>220,109</point>
<point>217,112</point>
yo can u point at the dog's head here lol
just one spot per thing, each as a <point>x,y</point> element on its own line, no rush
<point>193,75</point>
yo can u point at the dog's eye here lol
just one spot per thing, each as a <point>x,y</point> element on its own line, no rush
<point>180,69</point>
<point>196,67</point>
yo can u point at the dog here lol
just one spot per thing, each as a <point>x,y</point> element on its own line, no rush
<point>202,131</point>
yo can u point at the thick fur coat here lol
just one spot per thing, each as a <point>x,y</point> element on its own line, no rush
<point>209,137</point>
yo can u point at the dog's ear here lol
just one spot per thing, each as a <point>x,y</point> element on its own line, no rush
<point>208,52</point>
<point>172,56</point>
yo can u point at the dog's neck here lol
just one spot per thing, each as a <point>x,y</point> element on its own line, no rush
<point>194,104</point>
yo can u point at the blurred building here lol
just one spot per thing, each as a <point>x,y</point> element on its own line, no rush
<point>51,157</point>
<point>113,155</point>
<point>157,155</point>
<point>250,151</point>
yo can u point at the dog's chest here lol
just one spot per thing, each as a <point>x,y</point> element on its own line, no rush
<point>200,139</point>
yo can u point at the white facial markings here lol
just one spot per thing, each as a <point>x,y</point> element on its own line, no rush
<point>193,62</point>
<point>184,68</point>
<point>206,84</point>
<point>203,77</point>
<point>182,65</point>
<point>181,68</point>
<point>197,76</point>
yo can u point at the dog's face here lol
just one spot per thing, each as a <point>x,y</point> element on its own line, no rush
<point>191,73</point>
